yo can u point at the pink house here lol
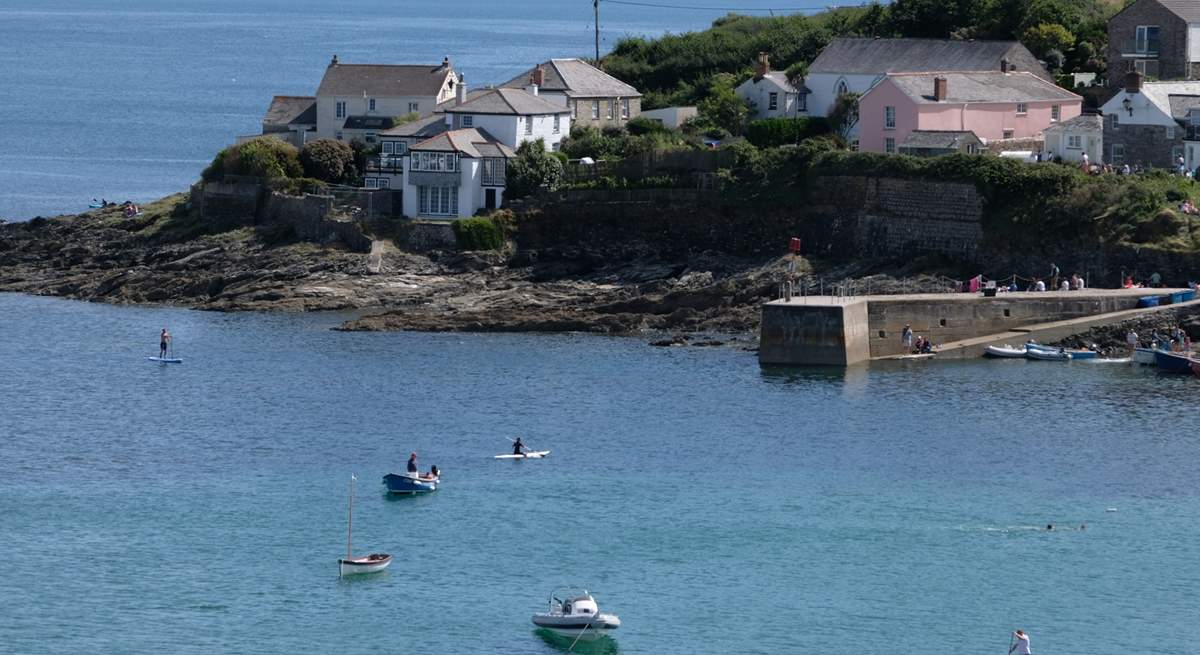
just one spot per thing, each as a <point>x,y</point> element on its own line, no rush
<point>992,105</point>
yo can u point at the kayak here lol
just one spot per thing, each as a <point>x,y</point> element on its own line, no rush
<point>535,454</point>
<point>166,360</point>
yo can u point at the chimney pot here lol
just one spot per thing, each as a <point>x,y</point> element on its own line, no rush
<point>446,61</point>
<point>939,88</point>
<point>334,61</point>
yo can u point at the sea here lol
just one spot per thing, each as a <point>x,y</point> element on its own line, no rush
<point>130,100</point>
<point>715,506</point>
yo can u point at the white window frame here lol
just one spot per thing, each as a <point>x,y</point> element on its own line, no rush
<point>557,124</point>
<point>437,200</point>
<point>414,107</point>
<point>574,108</point>
<point>1170,133</point>
<point>624,107</point>
<point>1008,134</point>
<point>1074,142</point>
<point>384,183</point>
<point>772,101</point>
<point>802,102</point>
<point>385,148</point>
<point>1055,113</point>
<point>889,117</point>
<point>889,145</point>
<point>370,104</point>
<point>434,162</point>
<point>468,120</point>
<point>608,112</point>
<point>528,125</point>
<point>1118,153</point>
<point>339,109</point>
<point>595,110</point>
<point>1142,40</point>
<point>371,183</point>
<point>1022,108</point>
<point>972,149</point>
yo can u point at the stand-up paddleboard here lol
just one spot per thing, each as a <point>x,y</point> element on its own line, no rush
<point>536,454</point>
<point>166,360</point>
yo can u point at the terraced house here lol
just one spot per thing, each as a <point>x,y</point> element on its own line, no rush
<point>359,100</point>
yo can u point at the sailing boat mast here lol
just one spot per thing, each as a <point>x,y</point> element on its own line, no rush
<point>350,522</point>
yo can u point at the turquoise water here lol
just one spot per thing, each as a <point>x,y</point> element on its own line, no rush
<point>715,507</point>
<point>131,100</point>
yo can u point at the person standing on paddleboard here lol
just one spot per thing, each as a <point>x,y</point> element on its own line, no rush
<point>164,341</point>
<point>518,447</point>
<point>1021,645</point>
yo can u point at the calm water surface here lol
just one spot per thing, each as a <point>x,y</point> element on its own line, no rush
<point>715,507</point>
<point>130,100</point>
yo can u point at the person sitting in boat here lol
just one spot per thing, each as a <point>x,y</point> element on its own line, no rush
<point>518,447</point>
<point>412,463</point>
<point>432,474</point>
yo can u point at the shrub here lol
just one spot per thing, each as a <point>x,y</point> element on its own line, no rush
<point>478,234</point>
<point>326,159</point>
<point>774,132</point>
<point>532,168</point>
<point>642,125</point>
<point>264,157</point>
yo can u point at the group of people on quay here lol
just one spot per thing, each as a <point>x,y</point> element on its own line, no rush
<point>1177,340</point>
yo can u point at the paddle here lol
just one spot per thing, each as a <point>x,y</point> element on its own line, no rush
<point>1011,637</point>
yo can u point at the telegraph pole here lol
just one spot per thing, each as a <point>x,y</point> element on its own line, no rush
<point>596,11</point>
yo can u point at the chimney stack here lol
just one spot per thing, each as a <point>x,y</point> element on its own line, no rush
<point>763,67</point>
<point>939,88</point>
<point>1133,82</point>
<point>461,91</point>
<point>334,61</point>
<point>1004,65</point>
<point>538,76</point>
<point>446,61</point>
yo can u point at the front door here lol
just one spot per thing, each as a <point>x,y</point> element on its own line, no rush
<point>489,199</point>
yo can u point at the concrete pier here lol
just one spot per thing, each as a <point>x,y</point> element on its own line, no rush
<point>823,330</point>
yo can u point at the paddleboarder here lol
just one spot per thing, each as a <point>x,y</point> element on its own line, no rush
<point>164,342</point>
<point>518,447</point>
<point>1021,645</point>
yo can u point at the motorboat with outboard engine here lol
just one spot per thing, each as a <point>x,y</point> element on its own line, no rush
<point>1005,351</point>
<point>573,613</point>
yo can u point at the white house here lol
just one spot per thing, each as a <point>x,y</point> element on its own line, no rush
<point>1153,123</point>
<point>360,100</point>
<point>1072,139</point>
<point>387,170</point>
<point>455,174</point>
<point>855,65</point>
<point>513,116</point>
<point>770,94</point>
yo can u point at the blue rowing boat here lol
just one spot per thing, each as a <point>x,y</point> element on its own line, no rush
<point>1075,354</point>
<point>410,483</point>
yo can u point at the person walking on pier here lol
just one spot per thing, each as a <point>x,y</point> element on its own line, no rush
<point>1021,643</point>
<point>906,336</point>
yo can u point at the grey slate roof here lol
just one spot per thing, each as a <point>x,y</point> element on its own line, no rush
<point>577,79</point>
<point>1081,123</point>
<point>1188,10</point>
<point>853,56</point>
<point>1182,104</point>
<point>470,142</point>
<point>420,128</point>
<point>981,87</point>
<point>512,102</point>
<point>383,80</point>
<point>939,139</point>
<point>288,110</point>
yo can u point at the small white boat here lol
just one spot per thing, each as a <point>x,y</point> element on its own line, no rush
<point>1005,351</point>
<point>533,454</point>
<point>573,613</point>
<point>352,565</point>
<point>1145,357</point>
<point>412,483</point>
<point>1048,355</point>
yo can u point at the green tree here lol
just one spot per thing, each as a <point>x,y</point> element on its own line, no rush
<point>1043,38</point>
<point>843,116</point>
<point>263,157</point>
<point>327,159</point>
<point>531,169</point>
<point>723,108</point>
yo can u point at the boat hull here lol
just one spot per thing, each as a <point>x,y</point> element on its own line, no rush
<point>373,563</point>
<point>1173,362</point>
<point>537,454</point>
<point>1004,352</point>
<point>1048,355</point>
<point>1196,368</point>
<point>407,483</point>
<point>1144,356</point>
<point>585,628</point>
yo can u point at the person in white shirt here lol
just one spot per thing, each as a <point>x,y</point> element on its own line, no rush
<point>1039,286</point>
<point>1065,286</point>
<point>1021,645</point>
